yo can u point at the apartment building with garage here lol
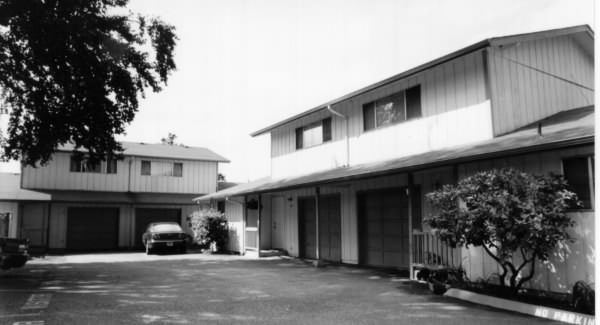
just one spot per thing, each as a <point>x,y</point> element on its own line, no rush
<point>348,177</point>
<point>74,205</point>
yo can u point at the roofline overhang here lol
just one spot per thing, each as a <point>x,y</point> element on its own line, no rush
<point>435,164</point>
<point>225,160</point>
<point>494,41</point>
<point>469,49</point>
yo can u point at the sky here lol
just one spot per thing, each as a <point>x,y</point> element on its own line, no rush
<point>245,64</point>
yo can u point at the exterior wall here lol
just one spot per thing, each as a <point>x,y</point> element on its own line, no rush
<point>57,175</point>
<point>58,221</point>
<point>522,95</point>
<point>453,95</point>
<point>573,262</point>
<point>199,177</point>
<point>12,208</point>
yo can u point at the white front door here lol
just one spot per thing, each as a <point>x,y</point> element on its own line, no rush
<point>278,222</point>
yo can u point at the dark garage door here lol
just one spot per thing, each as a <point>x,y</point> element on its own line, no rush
<point>329,227</point>
<point>92,229</point>
<point>383,228</point>
<point>146,216</point>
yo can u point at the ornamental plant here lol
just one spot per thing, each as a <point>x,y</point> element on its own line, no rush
<point>517,218</point>
<point>210,228</point>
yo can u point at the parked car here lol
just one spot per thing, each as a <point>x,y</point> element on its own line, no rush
<point>13,252</point>
<point>165,236</point>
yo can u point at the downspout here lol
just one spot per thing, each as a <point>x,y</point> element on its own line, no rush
<point>336,113</point>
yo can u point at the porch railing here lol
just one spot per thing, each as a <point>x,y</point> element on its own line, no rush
<point>430,252</point>
<point>251,238</point>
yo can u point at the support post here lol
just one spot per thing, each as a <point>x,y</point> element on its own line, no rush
<point>409,194</point>
<point>317,243</point>
<point>244,224</point>
<point>258,225</point>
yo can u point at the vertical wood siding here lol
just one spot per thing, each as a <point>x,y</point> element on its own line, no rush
<point>447,87</point>
<point>199,177</point>
<point>235,219</point>
<point>57,175</point>
<point>521,95</point>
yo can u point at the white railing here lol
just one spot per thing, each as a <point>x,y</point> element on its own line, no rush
<point>430,252</point>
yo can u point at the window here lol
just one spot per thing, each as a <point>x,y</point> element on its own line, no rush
<point>82,165</point>
<point>396,108</point>
<point>579,173</point>
<point>111,166</point>
<point>146,167</point>
<point>178,169</point>
<point>162,168</point>
<point>313,134</point>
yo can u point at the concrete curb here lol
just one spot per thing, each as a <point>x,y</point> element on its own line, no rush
<point>521,307</point>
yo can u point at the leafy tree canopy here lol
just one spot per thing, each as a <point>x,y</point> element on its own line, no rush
<point>72,71</point>
<point>516,217</point>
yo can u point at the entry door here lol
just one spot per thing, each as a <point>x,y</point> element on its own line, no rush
<point>307,227</point>
<point>33,223</point>
<point>383,228</point>
<point>330,239</point>
<point>278,224</point>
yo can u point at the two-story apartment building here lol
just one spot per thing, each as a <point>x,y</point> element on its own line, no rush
<point>108,205</point>
<point>348,177</point>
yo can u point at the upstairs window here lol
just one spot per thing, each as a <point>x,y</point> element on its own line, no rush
<point>579,173</point>
<point>111,166</point>
<point>161,168</point>
<point>313,134</point>
<point>399,107</point>
<point>82,165</point>
<point>146,167</point>
<point>178,170</point>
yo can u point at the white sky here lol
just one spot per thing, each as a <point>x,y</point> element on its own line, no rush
<point>245,64</point>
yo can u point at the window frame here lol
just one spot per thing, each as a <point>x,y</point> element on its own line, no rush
<point>180,170</point>
<point>82,165</point>
<point>590,177</point>
<point>373,105</point>
<point>326,133</point>
<point>149,169</point>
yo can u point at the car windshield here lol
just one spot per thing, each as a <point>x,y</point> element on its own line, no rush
<point>166,227</point>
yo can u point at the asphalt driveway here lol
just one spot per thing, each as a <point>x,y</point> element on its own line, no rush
<point>132,288</point>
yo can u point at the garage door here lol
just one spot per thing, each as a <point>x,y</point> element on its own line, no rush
<point>146,216</point>
<point>92,229</point>
<point>329,227</point>
<point>383,228</point>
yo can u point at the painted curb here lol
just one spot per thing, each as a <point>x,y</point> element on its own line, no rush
<point>521,307</point>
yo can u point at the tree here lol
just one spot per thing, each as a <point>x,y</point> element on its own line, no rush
<point>517,218</point>
<point>72,71</point>
<point>169,140</point>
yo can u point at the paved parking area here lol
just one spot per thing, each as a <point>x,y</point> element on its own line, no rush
<point>132,288</point>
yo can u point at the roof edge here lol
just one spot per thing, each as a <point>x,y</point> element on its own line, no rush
<point>494,41</point>
<point>430,64</point>
<point>490,155</point>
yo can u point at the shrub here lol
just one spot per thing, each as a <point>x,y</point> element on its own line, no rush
<point>209,227</point>
<point>508,213</point>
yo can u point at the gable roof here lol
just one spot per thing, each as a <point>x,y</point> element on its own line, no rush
<point>10,190</point>
<point>494,41</point>
<point>564,129</point>
<point>159,150</point>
